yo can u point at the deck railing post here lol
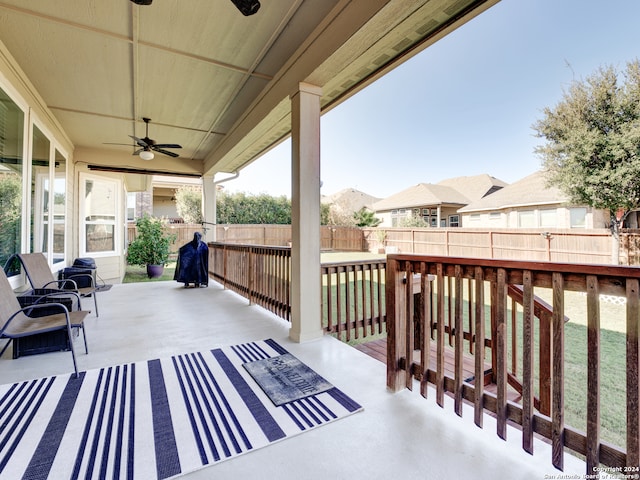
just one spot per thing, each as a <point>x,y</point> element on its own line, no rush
<point>633,373</point>
<point>396,325</point>
<point>557,389</point>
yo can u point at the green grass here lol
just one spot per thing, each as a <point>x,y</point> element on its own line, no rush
<point>134,274</point>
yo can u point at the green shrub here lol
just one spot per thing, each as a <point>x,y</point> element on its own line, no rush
<point>152,244</point>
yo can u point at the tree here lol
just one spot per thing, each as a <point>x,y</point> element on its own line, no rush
<point>189,203</point>
<point>242,208</point>
<point>10,215</point>
<point>366,218</point>
<point>413,221</point>
<point>592,153</point>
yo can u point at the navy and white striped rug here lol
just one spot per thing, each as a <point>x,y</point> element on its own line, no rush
<point>154,419</point>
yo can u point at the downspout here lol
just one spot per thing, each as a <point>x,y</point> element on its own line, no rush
<point>235,175</point>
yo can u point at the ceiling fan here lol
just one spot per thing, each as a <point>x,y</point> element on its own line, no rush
<point>148,145</point>
<point>246,7</point>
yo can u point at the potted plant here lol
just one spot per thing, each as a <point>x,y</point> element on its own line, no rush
<point>150,248</point>
<point>381,237</point>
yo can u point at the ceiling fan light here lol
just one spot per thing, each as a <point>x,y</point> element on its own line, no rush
<point>146,155</point>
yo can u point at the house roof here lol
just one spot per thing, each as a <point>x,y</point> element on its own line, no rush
<point>420,195</point>
<point>475,187</point>
<point>531,190</point>
<point>452,191</point>
<point>350,199</point>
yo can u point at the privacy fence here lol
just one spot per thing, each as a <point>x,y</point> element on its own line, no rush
<point>559,245</point>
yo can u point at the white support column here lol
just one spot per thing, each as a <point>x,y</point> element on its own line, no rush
<point>209,212</point>
<point>305,215</point>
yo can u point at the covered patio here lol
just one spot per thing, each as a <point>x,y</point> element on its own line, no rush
<point>398,435</point>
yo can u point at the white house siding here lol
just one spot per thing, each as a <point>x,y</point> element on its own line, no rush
<point>547,216</point>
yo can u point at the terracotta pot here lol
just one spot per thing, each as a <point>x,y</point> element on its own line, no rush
<point>155,271</point>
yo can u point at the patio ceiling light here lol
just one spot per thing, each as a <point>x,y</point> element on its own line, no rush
<point>146,155</point>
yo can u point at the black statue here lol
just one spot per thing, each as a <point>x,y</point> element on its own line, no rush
<point>193,263</point>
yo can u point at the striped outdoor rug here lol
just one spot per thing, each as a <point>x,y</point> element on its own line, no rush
<point>154,419</point>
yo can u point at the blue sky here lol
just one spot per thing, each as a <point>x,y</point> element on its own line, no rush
<point>465,105</point>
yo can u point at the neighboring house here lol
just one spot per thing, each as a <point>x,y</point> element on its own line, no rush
<point>530,203</point>
<point>345,203</point>
<point>437,204</point>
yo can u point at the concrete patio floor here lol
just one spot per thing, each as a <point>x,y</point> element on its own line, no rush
<point>399,435</point>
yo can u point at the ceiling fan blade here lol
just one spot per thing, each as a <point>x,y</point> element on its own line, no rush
<point>140,141</point>
<point>167,145</point>
<point>123,144</point>
<point>165,152</point>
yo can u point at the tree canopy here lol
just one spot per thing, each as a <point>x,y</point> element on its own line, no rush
<point>592,150</point>
<point>366,218</point>
<point>242,208</point>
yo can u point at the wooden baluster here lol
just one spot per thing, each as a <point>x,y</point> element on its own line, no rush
<point>339,299</point>
<point>450,310</point>
<point>593,374</point>
<point>557,388</point>
<point>425,329</point>
<point>470,313</point>
<point>356,307</point>
<point>459,343</point>
<point>514,338</point>
<point>479,347</point>
<point>348,299</point>
<point>440,336</point>
<point>500,347</point>
<point>409,328</point>
<point>330,299</point>
<point>527,361</point>
<point>633,367</point>
<point>381,312</point>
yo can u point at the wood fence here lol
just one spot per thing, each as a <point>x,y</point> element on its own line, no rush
<point>559,245</point>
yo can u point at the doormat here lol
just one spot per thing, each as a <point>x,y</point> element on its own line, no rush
<point>285,379</point>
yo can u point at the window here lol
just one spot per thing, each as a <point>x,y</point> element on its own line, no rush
<point>548,217</point>
<point>12,125</point>
<point>474,217</point>
<point>494,216</point>
<point>99,205</point>
<point>454,220</point>
<point>59,207</point>
<point>40,189</point>
<point>131,207</point>
<point>526,219</point>
<point>425,211</point>
<point>578,217</point>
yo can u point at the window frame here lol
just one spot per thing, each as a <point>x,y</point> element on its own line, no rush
<point>117,217</point>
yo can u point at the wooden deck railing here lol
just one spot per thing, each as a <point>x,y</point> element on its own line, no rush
<point>490,282</point>
<point>353,292</point>
<point>353,303</point>
<point>259,273</point>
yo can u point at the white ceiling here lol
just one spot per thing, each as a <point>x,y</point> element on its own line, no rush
<point>212,80</point>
